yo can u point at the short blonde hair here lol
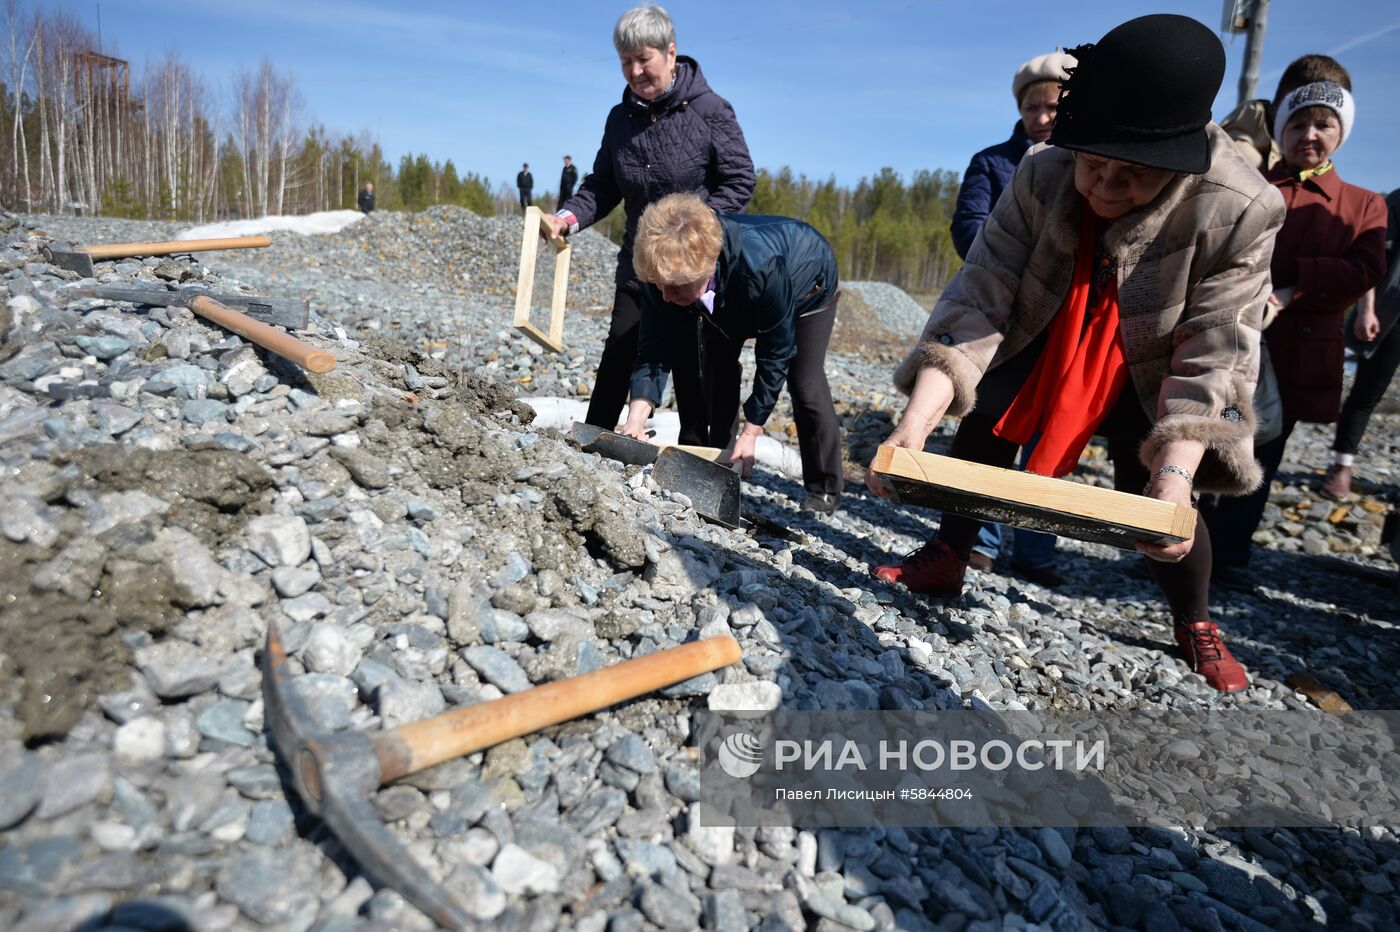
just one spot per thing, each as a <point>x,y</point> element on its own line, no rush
<point>678,241</point>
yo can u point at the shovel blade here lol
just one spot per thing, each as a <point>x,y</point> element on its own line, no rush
<point>713,489</point>
<point>614,446</point>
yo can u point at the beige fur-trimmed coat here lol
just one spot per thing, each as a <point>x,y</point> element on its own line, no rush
<point>1193,276</point>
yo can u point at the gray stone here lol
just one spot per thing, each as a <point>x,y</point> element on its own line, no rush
<point>194,572</point>
<point>421,511</point>
<point>668,909</point>
<point>259,782</point>
<point>21,785</point>
<point>837,911</point>
<point>74,782</point>
<point>176,669</point>
<point>644,858</point>
<point>141,740</point>
<point>223,721</point>
<point>1113,839</point>
<point>596,812</point>
<point>497,668</point>
<point>518,871</point>
<point>291,581</point>
<point>724,912</point>
<point>1052,843</point>
<point>365,468</point>
<point>478,891</point>
<point>103,347</point>
<point>713,842</point>
<point>114,509</point>
<point>1183,749</point>
<point>631,751</point>
<point>270,886</point>
<point>330,650</point>
<point>200,411</point>
<point>551,624</point>
<point>244,371</point>
<point>466,604</point>
<point>236,442</point>
<point>306,607</point>
<point>400,702</point>
<point>279,540</point>
<point>754,696</point>
<point>329,699</point>
<point>37,868</point>
<point>498,626</point>
<point>678,573</point>
<point>113,417</point>
<point>1228,884</point>
<point>269,823</point>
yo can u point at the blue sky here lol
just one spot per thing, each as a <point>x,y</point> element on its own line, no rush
<point>824,86</point>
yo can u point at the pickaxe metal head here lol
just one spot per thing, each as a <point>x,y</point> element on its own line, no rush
<point>70,257</point>
<point>336,773</point>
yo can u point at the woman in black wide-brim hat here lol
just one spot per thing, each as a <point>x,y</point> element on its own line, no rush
<point>1116,290</point>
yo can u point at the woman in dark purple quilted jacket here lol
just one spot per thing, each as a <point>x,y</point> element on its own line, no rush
<point>670,134</point>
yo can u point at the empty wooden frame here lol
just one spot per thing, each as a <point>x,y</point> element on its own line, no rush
<point>535,224</point>
<point>1022,499</point>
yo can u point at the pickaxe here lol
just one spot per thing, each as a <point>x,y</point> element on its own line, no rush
<point>79,258</point>
<point>245,323</point>
<point>291,313</point>
<point>335,773</point>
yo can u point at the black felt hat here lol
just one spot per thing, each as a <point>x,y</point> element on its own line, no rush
<point>1143,93</point>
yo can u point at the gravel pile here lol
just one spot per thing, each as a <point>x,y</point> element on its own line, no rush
<point>169,490</point>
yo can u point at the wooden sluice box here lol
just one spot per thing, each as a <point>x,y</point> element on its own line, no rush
<point>1025,500</point>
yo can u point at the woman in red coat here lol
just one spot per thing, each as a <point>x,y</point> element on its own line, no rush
<point>1329,253</point>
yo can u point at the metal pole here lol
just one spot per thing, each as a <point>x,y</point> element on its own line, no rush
<point>1253,50</point>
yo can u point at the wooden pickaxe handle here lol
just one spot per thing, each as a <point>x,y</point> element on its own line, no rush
<point>269,338</point>
<point>129,250</point>
<point>411,748</point>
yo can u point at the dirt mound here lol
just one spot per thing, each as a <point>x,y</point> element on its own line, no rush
<point>101,563</point>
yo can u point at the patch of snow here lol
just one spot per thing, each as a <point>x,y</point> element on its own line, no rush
<point>561,413</point>
<point>326,221</point>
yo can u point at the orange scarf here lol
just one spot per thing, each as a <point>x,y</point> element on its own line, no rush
<point>1079,374</point>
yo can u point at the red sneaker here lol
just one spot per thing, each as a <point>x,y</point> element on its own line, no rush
<point>933,568</point>
<point>1204,649</point>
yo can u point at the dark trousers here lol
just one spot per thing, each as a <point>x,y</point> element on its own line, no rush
<point>818,433</point>
<point>1186,584</point>
<point>564,194</point>
<point>1373,375</point>
<point>524,198</point>
<point>1233,519</point>
<point>613,382</point>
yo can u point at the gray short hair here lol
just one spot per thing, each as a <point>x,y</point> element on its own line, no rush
<point>648,25</point>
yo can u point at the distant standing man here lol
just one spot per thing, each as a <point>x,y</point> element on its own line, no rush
<point>366,198</point>
<point>526,183</point>
<point>567,179</point>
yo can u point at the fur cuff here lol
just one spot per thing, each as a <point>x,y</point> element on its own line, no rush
<point>1228,466</point>
<point>956,366</point>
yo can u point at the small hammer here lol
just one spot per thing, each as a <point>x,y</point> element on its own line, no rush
<point>79,258</point>
<point>336,773</point>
